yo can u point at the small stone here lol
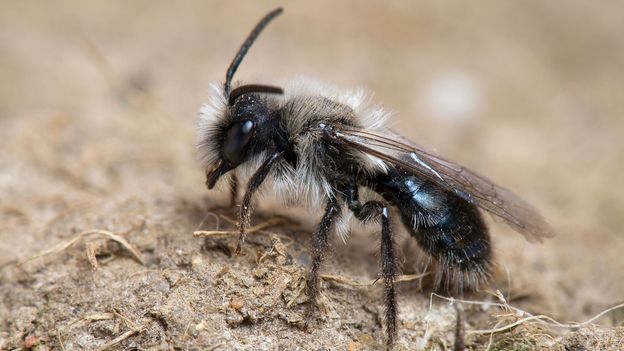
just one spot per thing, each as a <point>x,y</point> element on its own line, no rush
<point>31,341</point>
<point>163,287</point>
<point>234,318</point>
<point>367,339</point>
<point>237,303</point>
<point>196,261</point>
<point>260,272</point>
<point>354,346</point>
<point>224,270</point>
<point>201,326</point>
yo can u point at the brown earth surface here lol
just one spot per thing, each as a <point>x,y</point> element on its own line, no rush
<point>98,108</point>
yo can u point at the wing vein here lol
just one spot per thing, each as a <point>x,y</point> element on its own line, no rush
<point>396,150</point>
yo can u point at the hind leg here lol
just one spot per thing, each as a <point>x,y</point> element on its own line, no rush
<point>372,210</point>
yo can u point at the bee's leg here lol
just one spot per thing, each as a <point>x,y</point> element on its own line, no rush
<point>368,211</point>
<point>389,271</point>
<point>460,343</point>
<point>253,185</point>
<point>233,188</point>
<point>320,242</point>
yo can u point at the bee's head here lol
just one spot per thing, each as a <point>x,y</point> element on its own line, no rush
<point>241,133</point>
<point>237,124</point>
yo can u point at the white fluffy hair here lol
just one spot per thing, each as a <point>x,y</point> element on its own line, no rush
<point>302,185</point>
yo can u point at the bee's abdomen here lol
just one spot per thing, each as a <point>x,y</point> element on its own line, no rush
<point>445,226</point>
<point>453,232</point>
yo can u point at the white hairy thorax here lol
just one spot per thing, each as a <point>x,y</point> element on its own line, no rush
<point>304,185</point>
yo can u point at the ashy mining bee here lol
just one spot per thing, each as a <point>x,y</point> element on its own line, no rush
<point>324,147</point>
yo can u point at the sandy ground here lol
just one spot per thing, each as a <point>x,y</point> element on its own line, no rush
<point>98,104</point>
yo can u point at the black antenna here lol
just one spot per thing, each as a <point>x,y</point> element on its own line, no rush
<point>245,47</point>
<point>253,88</point>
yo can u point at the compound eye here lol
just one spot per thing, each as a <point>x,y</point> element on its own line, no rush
<point>236,141</point>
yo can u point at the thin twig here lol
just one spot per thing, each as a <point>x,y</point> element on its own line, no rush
<point>119,339</point>
<point>60,340</point>
<point>508,326</point>
<point>214,347</point>
<point>112,236</point>
<point>208,214</point>
<point>348,281</point>
<point>228,219</point>
<point>259,227</point>
<point>88,319</point>
<point>543,319</point>
<point>127,320</point>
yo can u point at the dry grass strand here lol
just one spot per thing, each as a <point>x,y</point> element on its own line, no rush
<point>96,232</point>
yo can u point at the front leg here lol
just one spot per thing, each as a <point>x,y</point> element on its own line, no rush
<point>233,188</point>
<point>253,185</point>
<point>320,242</point>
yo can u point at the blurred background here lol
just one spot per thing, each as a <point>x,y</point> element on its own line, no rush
<point>98,101</point>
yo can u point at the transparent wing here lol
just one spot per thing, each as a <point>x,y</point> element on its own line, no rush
<point>472,187</point>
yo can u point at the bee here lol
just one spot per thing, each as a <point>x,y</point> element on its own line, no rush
<point>332,150</point>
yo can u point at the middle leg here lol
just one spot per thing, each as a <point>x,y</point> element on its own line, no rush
<point>320,243</point>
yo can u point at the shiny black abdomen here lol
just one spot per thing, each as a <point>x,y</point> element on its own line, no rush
<point>446,226</point>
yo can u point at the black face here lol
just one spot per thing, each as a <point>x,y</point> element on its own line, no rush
<point>242,136</point>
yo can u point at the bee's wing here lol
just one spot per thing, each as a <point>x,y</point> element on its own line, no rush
<point>474,188</point>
